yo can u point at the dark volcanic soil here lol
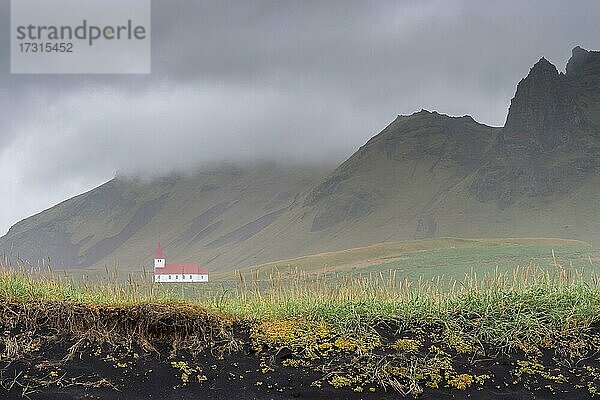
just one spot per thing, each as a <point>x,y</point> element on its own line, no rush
<point>235,377</point>
<point>54,369</point>
<point>60,350</point>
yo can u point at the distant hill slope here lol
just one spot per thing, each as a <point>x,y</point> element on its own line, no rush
<point>447,256</point>
<point>426,175</point>
<point>194,216</point>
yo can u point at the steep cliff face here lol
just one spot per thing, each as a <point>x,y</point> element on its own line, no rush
<point>551,138</point>
<point>543,116</point>
<point>555,112</point>
<point>583,77</point>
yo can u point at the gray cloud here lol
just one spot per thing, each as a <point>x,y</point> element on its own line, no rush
<point>296,80</point>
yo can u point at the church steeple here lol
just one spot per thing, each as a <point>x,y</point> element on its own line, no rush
<point>159,251</point>
<point>159,258</point>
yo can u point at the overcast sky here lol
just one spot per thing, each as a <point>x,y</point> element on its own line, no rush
<point>307,81</point>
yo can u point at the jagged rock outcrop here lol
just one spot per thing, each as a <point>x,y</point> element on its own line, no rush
<point>583,62</point>
<point>543,115</point>
<point>583,77</point>
<point>550,139</point>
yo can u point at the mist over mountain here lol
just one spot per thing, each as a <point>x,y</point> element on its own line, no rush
<point>425,175</point>
<point>270,81</point>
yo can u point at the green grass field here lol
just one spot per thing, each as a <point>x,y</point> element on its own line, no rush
<point>380,281</point>
<point>450,258</point>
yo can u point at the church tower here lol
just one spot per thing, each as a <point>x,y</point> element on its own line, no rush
<point>159,258</point>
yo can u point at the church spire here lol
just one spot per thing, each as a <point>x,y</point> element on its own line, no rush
<point>160,255</point>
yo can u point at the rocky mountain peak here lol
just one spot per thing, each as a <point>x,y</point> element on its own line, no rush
<point>542,114</point>
<point>580,58</point>
<point>550,139</point>
<point>543,68</point>
<point>583,76</point>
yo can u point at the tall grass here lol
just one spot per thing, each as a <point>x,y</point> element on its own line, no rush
<point>525,304</point>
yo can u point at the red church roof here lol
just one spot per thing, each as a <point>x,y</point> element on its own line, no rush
<point>178,269</point>
<point>159,252</point>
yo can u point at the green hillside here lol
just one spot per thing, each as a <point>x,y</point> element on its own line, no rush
<point>193,215</point>
<point>429,258</point>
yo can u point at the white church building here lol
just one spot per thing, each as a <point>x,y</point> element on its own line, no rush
<point>176,273</point>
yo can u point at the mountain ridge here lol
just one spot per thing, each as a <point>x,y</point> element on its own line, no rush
<point>424,175</point>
